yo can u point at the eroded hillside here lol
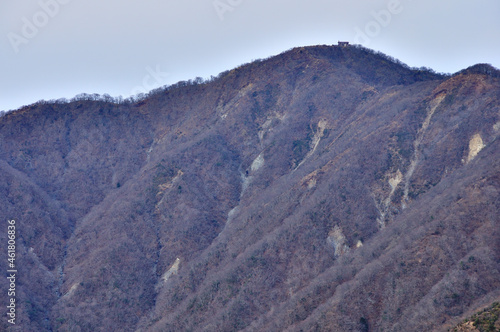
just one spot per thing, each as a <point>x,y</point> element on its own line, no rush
<point>324,189</point>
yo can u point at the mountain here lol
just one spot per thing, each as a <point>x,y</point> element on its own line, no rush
<point>324,189</point>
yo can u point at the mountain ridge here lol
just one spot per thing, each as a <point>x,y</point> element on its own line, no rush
<point>319,49</point>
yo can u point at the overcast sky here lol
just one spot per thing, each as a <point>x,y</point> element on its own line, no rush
<point>59,48</point>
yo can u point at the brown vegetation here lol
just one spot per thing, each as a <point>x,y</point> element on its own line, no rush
<point>324,189</point>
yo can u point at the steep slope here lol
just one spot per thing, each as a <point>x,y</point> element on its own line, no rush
<point>485,320</point>
<point>327,188</point>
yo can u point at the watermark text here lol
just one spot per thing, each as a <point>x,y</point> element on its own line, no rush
<point>381,19</point>
<point>223,6</point>
<point>152,80</point>
<point>31,27</point>
<point>11,271</point>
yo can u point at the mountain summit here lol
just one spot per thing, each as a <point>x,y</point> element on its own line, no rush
<point>324,189</point>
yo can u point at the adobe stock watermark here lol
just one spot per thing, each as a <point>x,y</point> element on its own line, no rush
<point>154,79</point>
<point>224,6</point>
<point>382,19</point>
<point>31,27</point>
<point>11,271</point>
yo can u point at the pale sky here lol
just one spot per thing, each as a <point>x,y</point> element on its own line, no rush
<point>52,49</point>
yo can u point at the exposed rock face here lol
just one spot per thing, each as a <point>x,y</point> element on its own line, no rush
<point>339,242</point>
<point>475,146</point>
<point>324,189</point>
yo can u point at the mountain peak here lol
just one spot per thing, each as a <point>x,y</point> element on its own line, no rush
<point>481,68</point>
